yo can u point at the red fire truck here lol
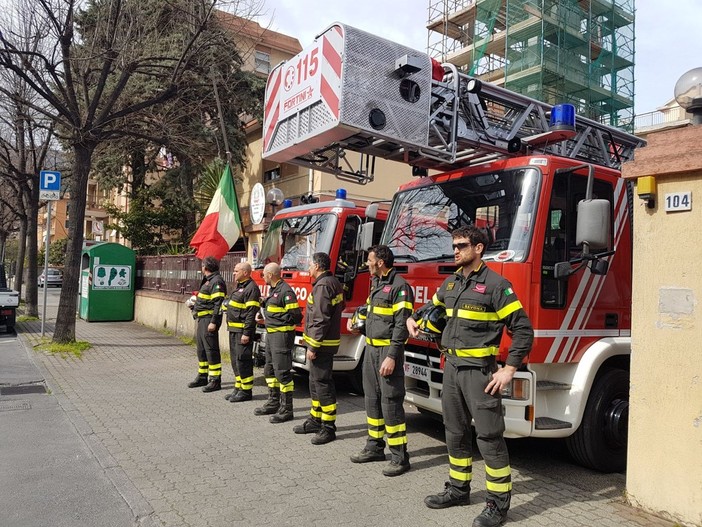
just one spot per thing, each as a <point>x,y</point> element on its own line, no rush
<point>338,228</point>
<point>544,184</point>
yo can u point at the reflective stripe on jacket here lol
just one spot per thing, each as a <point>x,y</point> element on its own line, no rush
<point>324,307</point>
<point>242,306</point>
<point>281,309</point>
<point>390,304</point>
<point>212,293</point>
<point>478,308</point>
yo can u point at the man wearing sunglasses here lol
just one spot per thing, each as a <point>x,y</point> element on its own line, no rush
<point>479,305</point>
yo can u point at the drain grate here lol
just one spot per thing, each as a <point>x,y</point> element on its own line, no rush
<point>6,406</point>
<point>23,390</point>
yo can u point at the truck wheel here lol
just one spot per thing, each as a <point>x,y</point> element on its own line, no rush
<point>600,442</point>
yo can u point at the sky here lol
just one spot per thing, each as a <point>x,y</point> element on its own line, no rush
<point>668,34</point>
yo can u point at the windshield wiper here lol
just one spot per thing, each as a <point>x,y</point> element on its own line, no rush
<point>410,257</point>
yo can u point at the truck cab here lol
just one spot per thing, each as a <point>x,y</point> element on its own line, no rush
<point>339,228</point>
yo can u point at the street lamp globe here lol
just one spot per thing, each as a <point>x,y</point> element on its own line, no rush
<point>275,197</point>
<point>688,93</point>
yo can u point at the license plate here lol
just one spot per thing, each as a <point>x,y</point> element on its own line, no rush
<point>417,372</point>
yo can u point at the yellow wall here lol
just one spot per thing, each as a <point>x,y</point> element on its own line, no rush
<point>664,473</point>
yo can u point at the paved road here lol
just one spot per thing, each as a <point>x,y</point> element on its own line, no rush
<point>185,458</point>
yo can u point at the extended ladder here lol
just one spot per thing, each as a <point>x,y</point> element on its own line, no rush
<point>379,99</point>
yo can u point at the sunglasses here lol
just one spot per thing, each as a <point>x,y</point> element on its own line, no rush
<point>460,246</point>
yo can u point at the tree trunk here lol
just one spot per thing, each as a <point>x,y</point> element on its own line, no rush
<point>65,331</point>
<point>138,170</point>
<point>21,251</point>
<point>32,307</point>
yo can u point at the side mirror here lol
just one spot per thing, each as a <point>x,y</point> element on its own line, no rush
<point>599,267</point>
<point>372,211</point>
<point>562,270</point>
<point>365,236</point>
<point>593,228</point>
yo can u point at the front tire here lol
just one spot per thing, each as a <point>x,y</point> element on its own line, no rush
<point>601,440</point>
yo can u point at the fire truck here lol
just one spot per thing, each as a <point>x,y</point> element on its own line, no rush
<point>543,183</point>
<point>338,228</point>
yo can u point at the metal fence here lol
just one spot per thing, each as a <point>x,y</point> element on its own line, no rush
<point>179,274</point>
<point>658,118</point>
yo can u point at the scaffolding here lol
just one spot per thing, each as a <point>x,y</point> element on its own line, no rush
<point>555,51</point>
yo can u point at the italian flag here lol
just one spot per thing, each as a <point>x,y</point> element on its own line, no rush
<point>221,225</point>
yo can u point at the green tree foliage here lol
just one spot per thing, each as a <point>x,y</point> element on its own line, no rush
<point>57,253</point>
<point>188,129</point>
<point>101,70</point>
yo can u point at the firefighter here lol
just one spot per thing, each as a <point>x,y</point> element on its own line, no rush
<point>479,305</point>
<point>282,314</point>
<point>241,309</point>
<point>207,311</point>
<point>389,305</point>
<point>322,337</point>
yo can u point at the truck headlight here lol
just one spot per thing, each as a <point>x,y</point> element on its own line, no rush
<point>299,354</point>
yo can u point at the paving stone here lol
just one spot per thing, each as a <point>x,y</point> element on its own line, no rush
<point>199,461</point>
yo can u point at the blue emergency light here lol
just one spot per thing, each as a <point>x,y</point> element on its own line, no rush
<point>562,117</point>
<point>341,193</point>
<point>287,203</point>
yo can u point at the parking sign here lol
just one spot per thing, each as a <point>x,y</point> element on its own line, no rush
<point>49,184</point>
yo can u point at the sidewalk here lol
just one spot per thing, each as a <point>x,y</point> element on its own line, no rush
<point>178,457</point>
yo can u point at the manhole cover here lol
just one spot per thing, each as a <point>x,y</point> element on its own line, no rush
<point>6,406</point>
<point>23,390</point>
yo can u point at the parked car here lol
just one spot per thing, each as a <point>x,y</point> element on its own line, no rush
<point>54,277</point>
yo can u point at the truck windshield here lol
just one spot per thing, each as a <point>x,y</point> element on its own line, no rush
<point>291,242</point>
<point>503,203</point>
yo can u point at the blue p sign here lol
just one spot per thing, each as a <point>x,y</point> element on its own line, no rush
<point>49,180</point>
<point>49,184</point>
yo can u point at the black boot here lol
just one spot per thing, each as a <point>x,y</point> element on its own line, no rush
<point>398,464</point>
<point>214,384</point>
<point>326,434</point>
<point>491,516</point>
<point>450,497</point>
<point>229,396</point>
<point>271,405</point>
<point>285,411</point>
<point>308,426</point>
<point>200,380</point>
<point>241,396</point>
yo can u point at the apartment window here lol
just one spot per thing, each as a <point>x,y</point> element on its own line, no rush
<point>271,175</point>
<point>262,62</point>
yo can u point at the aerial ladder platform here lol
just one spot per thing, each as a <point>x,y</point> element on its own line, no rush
<point>354,91</point>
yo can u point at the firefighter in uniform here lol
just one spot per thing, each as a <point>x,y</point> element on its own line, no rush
<point>479,305</point>
<point>389,305</point>
<point>241,309</point>
<point>282,314</point>
<point>207,312</point>
<point>322,337</point>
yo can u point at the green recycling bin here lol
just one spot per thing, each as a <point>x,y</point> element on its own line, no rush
<point>107,282</point>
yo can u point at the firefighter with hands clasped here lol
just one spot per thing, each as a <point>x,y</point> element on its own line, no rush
<point>479,304</point>
<point>389,305</point>
<point>207,311</point>
<point>322,337</point>
<point>282,313</point>
<point>241,308</point>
